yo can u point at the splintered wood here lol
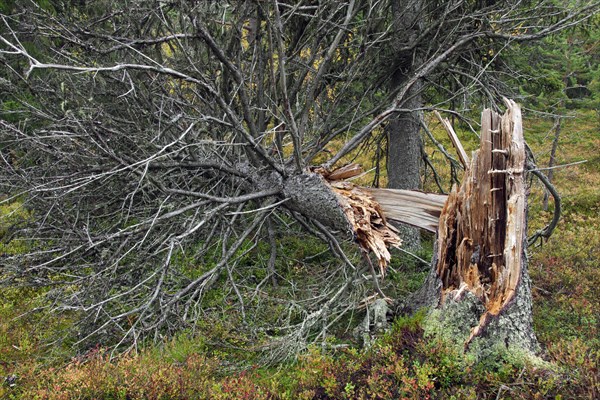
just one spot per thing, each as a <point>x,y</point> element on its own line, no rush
<point>369,209</point>
<point>371,230</point>
<point>482,225</point>
<point>410,206</point>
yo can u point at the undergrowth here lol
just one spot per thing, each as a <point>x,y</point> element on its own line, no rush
<point>402,364</point>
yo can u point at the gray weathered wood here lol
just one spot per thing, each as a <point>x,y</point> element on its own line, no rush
<point>410,206</point>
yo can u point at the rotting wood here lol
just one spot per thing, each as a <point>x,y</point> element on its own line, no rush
<point>482,225</point>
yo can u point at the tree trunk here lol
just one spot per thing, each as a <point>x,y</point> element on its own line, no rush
<point>479,286</point>
<point>404,141</point>
<point>478,289</point>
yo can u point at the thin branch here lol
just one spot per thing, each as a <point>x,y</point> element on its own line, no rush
<point>546,232</point>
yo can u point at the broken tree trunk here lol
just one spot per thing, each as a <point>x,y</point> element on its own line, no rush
<point>344,209</point>
<point>479,284</point>
<point>478,287</point>
<point>361,213</point>
<point>412,207</point>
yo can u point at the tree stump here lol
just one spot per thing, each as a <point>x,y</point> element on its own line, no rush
<point>479,284</point>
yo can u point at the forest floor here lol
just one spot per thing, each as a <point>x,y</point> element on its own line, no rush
<point>402,364</point>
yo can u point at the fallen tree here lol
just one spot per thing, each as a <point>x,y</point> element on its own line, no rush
<point>479,267</point>
<point>159,147</point>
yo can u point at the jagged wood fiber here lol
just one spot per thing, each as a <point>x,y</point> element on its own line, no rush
<point>482,225</point>
<point>369,209</point>
<point>372,231</point>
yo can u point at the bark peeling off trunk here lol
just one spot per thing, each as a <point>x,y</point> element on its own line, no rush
<point>482,230</point>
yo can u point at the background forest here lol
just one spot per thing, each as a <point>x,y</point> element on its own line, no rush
<point>153,242</point>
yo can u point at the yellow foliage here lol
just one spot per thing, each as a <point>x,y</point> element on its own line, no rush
<point>167,50</point>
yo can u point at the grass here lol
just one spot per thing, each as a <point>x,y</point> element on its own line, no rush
<point>565,270</point>
<point>402,364</point>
